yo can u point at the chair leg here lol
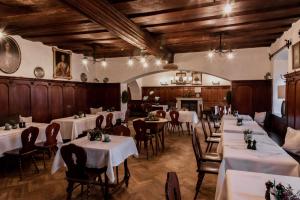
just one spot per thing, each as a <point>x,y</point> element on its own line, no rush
<point>151,142</point>
<point>146,146</point>
<point>44,159</point>
<point>35,165</point>
<point>69,190</point>
<point>20,168</point>
<point>199,183</point>
<point>117,173</point>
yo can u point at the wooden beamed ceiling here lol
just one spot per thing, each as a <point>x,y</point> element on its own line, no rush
<point>122,28</point>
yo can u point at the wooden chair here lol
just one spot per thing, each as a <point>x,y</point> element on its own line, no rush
<point>161,113</point>
<point>99,121</point>
<point>206,163</point>
<point>140,128</point>
<point>50,145</point>
<point>172,188</point>
<point>109,125</point>
<point>28,149</point>
<point>77,173</point>
<point>174,122</point>
<point>121,131</point>
<point>210,141</point>
<point>212,133</point>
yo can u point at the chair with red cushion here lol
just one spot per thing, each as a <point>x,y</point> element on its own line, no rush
<point>140,128</point>
<point>99,121</point>
<point>172,188</point>
<point>50,145</point>
<point>174,121</point>
<point>28,149</point>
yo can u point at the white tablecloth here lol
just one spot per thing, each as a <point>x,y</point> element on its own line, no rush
<point>268,158</point>
<point>116,115</point>
<point>241,185</point>
<point>70,128</point>
<point>230,126</point>
<point>101,154</point>
<point>231,117</point>
<point>11,139</point>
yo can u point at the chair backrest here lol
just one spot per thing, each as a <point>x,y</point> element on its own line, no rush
<point>209,126</point>
<point>109,118</point>
<point>121,130</point>
<point>51,134</point>
<point>75,158</point>
<point>204,129</point>
<point>140,129</point>
<point>197,148</point>
<point>28,138</point>
<point>174,116</point>
<point>161,113</point>
<point>172,188</point>
<point>99,121</point>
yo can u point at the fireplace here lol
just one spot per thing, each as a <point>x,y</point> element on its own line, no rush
<point>189,103</point>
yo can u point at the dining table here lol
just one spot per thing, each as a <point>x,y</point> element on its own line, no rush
<point>71,127</point>
<point>252,185</point>
<point>268,157</point>
<point>11,139</point>
<point>103,154</point>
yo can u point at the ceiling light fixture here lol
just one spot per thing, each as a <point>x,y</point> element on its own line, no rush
<point>2,34</point>
<point>130,61</point>
<point>220,50</point>
<point>230,55</point>
<point>103,63</point>
<point>210,54</point>
<point>158,61</point>
<point>227,8</point>
<point>85,61</point>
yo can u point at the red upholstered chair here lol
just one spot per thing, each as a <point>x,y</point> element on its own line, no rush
<point>142,135</point>
<point>99,121</point>
<point>109,118</point>
<point>206,163</point>
<point>174,121</point>
<point>50,145</point>
<point>28,148</point>
<point>75,158</point>
<point>172,188</point>
<point>161,113</point>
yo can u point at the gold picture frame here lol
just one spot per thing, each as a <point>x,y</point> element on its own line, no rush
<point>196,78</point>
<point>62,67</point>
<point>10,55</point>
<point>296,55</point>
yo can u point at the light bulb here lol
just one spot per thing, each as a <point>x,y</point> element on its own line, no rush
<point>103,63</point>
<point>84,61</point>
<point>230,55</point>
<point>2,34</point>
<point>145,65</point>
<point>210,54</point>
<point>227,8</point>
<point>158,62</point>
<point>130,61</point>
<point>143,59</point>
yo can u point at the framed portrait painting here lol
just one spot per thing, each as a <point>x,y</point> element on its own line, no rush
<point>62,67</point>
<point>10,55</point>
<point>196,78</point>
<point>296,55</point>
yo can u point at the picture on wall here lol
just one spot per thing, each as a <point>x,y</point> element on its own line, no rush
<point>296,55</point>
<point>10,55</point>
<point>62,63</point>
<point>196,78</point>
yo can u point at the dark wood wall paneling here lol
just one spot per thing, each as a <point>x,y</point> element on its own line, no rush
<point>293,99</point>
<point>45,100</point>
<point>212,95</point>
<point>252,96</point>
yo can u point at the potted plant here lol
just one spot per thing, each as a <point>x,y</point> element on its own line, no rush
<point>125,96</point>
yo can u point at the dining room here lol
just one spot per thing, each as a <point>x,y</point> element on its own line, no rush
<point>150,100</point>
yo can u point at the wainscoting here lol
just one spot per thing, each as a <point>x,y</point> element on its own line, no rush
<point>252,96</point>
<point>293,99</point>
<point>45,100</point>
<point>211,95</point>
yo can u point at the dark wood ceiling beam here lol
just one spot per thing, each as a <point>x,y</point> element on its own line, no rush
<point>213,12</point>
<point>227,21</point>
<point>114,21</point>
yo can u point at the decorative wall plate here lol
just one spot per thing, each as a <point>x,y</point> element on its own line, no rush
<point>105,80</point>
<point>83,77</point>
<point>39,72</point>
<point>96,80</point>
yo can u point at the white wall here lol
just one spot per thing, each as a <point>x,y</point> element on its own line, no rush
<point>248,64</point>
<point>155,79</point>
<point>37,54</point>
<point>280,67</point>
<point>291,34</point>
